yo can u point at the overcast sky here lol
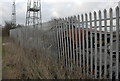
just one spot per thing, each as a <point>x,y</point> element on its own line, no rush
<point>54,8</point>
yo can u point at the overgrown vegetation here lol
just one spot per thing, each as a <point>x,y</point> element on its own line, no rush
<point>19,63</point>
<point>22,63</point>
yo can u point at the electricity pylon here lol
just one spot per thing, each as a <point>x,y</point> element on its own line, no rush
<point>13,14</point>
<point>33,14</point>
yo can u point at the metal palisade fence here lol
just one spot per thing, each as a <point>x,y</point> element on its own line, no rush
<point>88,41</point>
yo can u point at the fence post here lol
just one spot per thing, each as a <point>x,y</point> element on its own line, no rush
<point>119,6</point>
<point>117,43</point>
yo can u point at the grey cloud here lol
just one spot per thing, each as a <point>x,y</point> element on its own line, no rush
<point>6,11</point>
<point>63,9</point>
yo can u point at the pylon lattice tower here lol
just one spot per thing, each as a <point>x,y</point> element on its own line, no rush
<point>33,14</point>
<point>13,14</point>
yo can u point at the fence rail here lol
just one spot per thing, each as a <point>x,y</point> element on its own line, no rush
<point>88,41</point>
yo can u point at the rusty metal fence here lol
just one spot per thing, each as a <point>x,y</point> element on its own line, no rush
<point>88,41</point>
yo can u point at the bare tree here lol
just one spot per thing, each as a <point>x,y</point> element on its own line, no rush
<point>6,29</point>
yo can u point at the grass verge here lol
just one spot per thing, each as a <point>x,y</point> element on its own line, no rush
<point>20,63</point>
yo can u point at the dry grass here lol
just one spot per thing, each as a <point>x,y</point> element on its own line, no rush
<point>19,63</point>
